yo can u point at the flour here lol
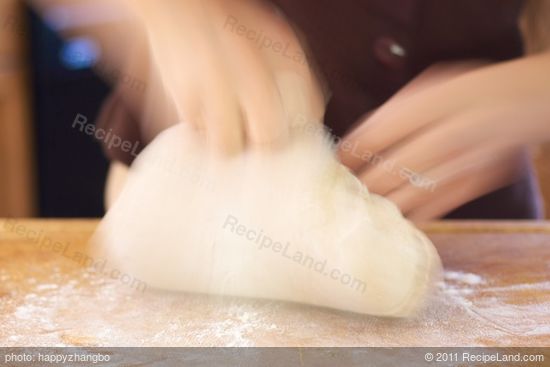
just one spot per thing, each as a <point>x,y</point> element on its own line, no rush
<point>85,309</point>
<point>539,330</point>
<point>513,319</point>
<point>467,278</point>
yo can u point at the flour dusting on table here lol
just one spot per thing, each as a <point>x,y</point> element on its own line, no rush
<point>85,309</point>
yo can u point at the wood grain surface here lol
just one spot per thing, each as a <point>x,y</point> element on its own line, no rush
<point>17,165</point>
<point>496,293</point>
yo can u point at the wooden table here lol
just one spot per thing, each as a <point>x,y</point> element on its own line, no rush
<point>496,293</point>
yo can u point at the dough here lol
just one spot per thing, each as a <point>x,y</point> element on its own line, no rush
<point>292,225</point>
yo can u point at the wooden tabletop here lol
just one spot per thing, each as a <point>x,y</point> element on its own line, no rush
<point>496,293</point>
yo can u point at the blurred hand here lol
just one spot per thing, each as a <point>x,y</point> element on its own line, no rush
<point>235,70</point>
<point>452,135</point>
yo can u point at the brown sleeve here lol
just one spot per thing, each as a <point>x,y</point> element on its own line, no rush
<point>123,139</point>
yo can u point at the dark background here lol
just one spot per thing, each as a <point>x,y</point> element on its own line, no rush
<point>71,166</point>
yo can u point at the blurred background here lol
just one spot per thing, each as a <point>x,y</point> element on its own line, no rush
<point>48,168</point>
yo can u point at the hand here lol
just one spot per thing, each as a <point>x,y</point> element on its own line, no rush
<point>452,135</point>
<point>235,70</point>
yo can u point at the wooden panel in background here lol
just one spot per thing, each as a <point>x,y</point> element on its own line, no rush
<point>17,189</point>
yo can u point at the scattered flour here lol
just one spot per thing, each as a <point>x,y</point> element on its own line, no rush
<point>467,278</point>
<point>88,310</point>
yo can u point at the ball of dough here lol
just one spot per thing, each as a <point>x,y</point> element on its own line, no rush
<point>291,225</point>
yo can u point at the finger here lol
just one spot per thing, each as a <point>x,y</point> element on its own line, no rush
<point>255,84</point>
<point>217,112</point>
<point>421,102</point>
<point>426,149</point>
<point>420,189</point>
<point>221,111</point>
<point>166,104</point>
<point>262,106</point>
<point>301,92</point>
<point>435,75</point>
<point>192,113</point>
<point>473,183</point>
<point>172,92</point>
